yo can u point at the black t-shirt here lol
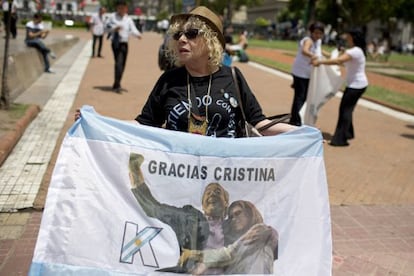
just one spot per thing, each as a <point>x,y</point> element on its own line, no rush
<point>168,102</point>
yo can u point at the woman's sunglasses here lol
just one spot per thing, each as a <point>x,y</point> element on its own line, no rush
<point>189,34</point>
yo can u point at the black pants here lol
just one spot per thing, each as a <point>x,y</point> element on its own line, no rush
<point>120,51</point>
<point>13,23</point>
<point>344,128</point>
<point>300,86</point>
<point>97,38</point>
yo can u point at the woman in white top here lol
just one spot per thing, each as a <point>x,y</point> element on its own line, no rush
<point>310,47</point>
<point>354,59</point>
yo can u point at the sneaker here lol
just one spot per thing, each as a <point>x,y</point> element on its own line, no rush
<point>49,71</point>
<point>52,55</point>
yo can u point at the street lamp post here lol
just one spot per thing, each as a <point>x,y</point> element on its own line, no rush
<point>5,92</point>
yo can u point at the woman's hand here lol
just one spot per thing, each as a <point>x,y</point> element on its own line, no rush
<point>315,62</point>
<point>258,233</point>
<point>275,129</point>
<point>77,114</point>
<point>188,254</point>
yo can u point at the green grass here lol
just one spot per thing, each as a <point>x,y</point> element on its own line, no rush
<point>406,77</point>
<point>17,110</point>
<point>271,63</point>
<point>409,78</point>
<point>8,117</point>
<point>403,101</point>
<point>287,45</point>
<point>401,61</point>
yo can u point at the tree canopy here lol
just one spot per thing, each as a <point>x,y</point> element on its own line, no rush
<point>353,12</point>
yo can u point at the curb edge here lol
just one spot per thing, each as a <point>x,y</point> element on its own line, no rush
<point>11,138</point>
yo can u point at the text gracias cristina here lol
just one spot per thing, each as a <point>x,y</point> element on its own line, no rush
<point>219,173</point>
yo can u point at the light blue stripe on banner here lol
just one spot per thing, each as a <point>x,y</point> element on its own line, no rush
<point>304,142</point>
<point>44,269</point>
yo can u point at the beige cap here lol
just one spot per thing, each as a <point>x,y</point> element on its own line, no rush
<point>207,16</point>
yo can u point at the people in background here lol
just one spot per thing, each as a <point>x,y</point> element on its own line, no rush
<point>121,26</point>
<point>310,48</point>
<point>98,29</point>
<point>243,40</point>
<point>12,16</point>
<point>35,33</point>
<point>237,50</point>
<point>354,59</point>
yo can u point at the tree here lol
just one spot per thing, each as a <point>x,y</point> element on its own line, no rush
<point>406,11</point>
<point>296,9</point>
<point>355,12</point>
<point>226,7</point>
<point>343,14</point>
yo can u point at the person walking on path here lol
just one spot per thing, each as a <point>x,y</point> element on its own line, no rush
<point>354,59</point>
<point>98,29</point>
<point>13,17</point>
<point>35,32</point>
<point>310,48</point>
<point>121,27</point>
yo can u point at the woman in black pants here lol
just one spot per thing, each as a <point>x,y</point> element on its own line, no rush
<point>310,48</point>
<point>354,59</point>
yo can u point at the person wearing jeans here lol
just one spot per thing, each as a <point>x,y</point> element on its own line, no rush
<point>35,33</point>
<point>354,60</point>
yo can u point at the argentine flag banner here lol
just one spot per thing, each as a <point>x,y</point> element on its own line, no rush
<point>128,199</point>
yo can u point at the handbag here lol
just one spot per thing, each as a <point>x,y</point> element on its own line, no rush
<point>248,130</point>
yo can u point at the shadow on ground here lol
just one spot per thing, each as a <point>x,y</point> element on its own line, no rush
<point>108,89</point>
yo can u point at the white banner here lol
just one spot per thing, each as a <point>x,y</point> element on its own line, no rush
<point>134,200</point>
<point>324,82</point>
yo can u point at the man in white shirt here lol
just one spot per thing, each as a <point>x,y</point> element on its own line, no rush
<point>98,29</point>
<point>121,27</point>
<point>12,15</point>
<point>35,33</point>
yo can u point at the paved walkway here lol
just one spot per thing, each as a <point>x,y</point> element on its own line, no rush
<point>23,171</point>
<point>370,183</point>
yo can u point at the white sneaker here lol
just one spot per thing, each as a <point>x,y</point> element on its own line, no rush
<point>52,55</point>
<point>49,71</point>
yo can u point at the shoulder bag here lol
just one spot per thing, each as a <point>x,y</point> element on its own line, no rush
<point>248,129</point>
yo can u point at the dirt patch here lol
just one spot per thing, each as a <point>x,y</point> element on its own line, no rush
<point>13,123</point>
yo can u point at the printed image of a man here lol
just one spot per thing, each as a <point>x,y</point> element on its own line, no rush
<point>196,230</point>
